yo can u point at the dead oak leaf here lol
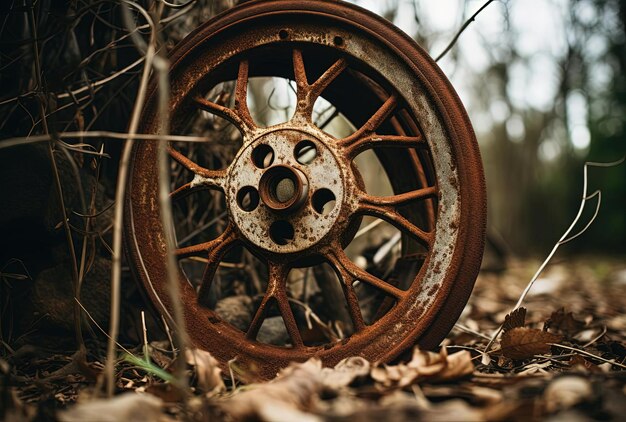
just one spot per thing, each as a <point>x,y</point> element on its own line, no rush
<point>345,372</point>
<point>424,365</point>
<point>564,322</point>
<point>524,343</point>
<point>289,396</point>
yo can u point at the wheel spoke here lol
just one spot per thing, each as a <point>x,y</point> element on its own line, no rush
<point>308,93</point>
<point>259,317</point>
<point>299,73</point>
<point>330,75</point>
<point>276,290</point>
<point>339,261</point>
<point>241,95</point>
<point>218,248</point>
<point>400,199</point>
<point>373,123</point>
<point>232,115</point>
<point>357,145</point>
<point>391,215</point>
<point>214,247</point>
<point>357,273</point>
<point>183,191</point>
<point>194,167</point>
<point>288,318</point>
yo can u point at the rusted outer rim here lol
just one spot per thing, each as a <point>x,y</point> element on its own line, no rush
<point>464,149</point>
<point>474,217</point>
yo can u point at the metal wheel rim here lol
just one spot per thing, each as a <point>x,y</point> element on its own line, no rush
<point>448,275</point>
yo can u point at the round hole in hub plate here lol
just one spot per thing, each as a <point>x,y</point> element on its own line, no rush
<point>305,152</point>
<point>323,201</point>
<point>248,198</point>
<point>263,156</point>
<point>281,232</point>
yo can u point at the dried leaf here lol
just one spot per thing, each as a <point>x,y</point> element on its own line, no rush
<point>209,374</point>
<point>517,318</point>
<point>425,366</point>
<point>524,343</point>
<point>579,363</point>
<point>564,322</point>
<point>125,407</point>
<point>566,392</point>
<point>284,398</point>
<point>345,372</point>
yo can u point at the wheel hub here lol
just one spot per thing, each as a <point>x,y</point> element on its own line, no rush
<point>286,190</point>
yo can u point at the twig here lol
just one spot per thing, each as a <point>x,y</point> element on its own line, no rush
<point>591,355</point>
<point>58,188</point>
<point>120,193</point>
<point>596,338</point>
<point>146,350</point>
<point>564,239</point>
<point>161,65</point>
<point>12,142</point>
<point>367,228</point>
<point>463,28</point>
<point>168,333</point>
<point>468,330</point>
<point>233,380</point>
<point>102,330</point>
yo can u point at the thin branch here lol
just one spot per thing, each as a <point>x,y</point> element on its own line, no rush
<point>12,142</point>
<point>463,28</point>
<point>564,239</point>
<point>58,188</point>
<point>120,193</point>
<point>591,355</point>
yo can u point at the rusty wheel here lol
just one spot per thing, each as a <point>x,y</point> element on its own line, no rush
<point>283,204</point>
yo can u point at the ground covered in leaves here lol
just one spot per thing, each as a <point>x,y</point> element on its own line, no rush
<point>562,356</point>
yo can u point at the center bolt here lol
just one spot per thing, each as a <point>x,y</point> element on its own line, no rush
<point>283,188</point>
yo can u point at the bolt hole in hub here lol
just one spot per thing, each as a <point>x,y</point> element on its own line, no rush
<point>305,152</point>
<point>263,156</point>
<point>248,198</point>
<point>323,201</point>
<point>293,189</point>
<point>281,232</point>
